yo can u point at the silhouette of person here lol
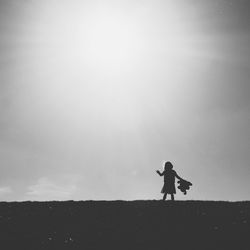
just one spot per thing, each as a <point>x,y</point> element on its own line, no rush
<point>169,180</point>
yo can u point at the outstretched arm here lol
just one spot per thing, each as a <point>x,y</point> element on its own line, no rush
<point>178,177</point>
<point>159,173</point>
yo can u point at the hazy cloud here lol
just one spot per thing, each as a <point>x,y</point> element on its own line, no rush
<point>52,189</point>
<point>5,190</point>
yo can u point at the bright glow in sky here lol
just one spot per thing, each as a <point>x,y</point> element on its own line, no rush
<point>96,95</point>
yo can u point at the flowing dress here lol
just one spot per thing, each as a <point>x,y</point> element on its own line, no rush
<point>169,182</point>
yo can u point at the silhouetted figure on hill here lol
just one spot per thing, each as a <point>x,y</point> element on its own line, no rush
<point>169,180</point>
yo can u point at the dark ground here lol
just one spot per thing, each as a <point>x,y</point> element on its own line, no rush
<point>119,225</point>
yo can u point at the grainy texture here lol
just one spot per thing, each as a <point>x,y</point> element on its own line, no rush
<point>124,225</point>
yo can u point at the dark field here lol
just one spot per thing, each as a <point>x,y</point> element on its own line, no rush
<point>125,225</point>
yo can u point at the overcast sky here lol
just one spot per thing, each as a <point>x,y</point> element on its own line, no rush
<point>96,95</point>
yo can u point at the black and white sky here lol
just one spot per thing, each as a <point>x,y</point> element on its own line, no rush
<point>96,95</point>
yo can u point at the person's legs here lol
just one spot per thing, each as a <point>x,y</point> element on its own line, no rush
<point>172,197</point>
<point>164,196</point>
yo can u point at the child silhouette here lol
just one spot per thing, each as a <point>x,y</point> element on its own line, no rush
<point>169,180</point>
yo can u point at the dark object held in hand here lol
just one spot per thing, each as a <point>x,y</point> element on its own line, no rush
<point>184,186</point>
